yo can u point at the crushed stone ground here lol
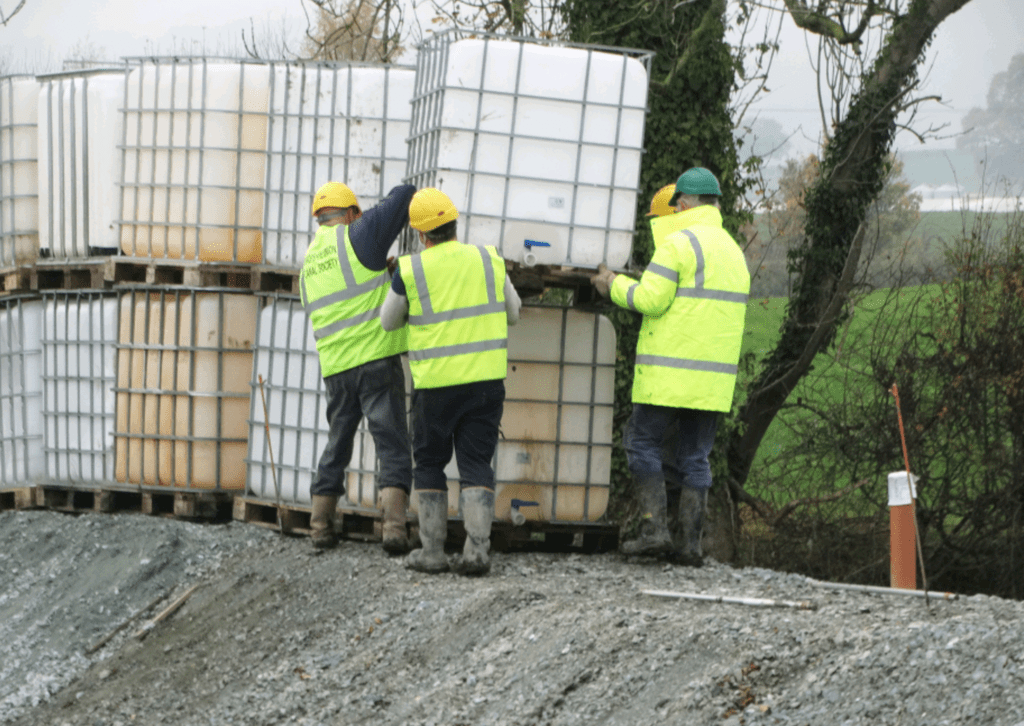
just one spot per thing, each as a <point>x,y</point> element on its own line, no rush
<point>277,635</point>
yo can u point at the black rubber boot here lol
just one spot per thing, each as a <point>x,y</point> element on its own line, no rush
<point>654,537</point>
<point>692,504</point>
<point>433,515</point>
<point>477,514</point>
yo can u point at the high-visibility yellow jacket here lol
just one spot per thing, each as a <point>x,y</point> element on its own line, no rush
<point>458,330</point>
<point>343,299</point>
<point>693,296</point>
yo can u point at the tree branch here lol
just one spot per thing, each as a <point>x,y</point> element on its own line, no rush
<point>6,17</point>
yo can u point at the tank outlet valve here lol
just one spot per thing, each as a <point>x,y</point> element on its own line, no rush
<point>518,518</point>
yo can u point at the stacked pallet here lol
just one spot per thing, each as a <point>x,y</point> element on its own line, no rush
<point>153,219</point>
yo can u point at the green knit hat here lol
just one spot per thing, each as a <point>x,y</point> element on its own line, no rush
<point>695,182</point>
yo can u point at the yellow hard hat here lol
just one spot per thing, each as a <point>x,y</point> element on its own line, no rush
<point>334,194</point>
<point>660,203</point>
<point>430,208</point>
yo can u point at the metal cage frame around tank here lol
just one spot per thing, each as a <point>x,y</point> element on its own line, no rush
<point>53,342</point>
<point>71,208</point>
<point>428,104</point>
<point>281,122</point>
<point>139,111</point>
<point>287,472</point>
<point>15,403</point>
<point>9,222</point>
<point>177,293</point>
<point>337,161</point>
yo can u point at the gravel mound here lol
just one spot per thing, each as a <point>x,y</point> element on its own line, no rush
<point>276,634</point>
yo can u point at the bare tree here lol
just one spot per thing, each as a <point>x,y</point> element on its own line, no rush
<point>537,19</point>
<point>359,30</point>
<point>5,16</point>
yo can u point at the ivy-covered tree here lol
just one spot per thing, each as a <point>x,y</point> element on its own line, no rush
<point>854,166</point>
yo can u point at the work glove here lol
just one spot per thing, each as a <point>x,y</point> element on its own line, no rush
<point>603,280</point>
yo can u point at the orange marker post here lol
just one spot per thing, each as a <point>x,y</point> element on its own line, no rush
<point>902,534</point>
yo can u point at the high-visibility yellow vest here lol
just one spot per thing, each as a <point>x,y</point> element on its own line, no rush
<point>342,299</point>
<point>458,331</point>
<point>663,226</point>
<point>688,349</point>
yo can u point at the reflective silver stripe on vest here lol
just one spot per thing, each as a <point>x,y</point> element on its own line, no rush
<point>347,294</point>
<point>346,323</point>
<point>446,351</point>
<point>629,295</point>
<point>698,276</point>
<point>491,306</point>
<point>343,261</point>
<point>705,294</point>
<point>419,278</point>
<point>662,271</point>
<point>698,291</point>
<point>686,364</point>
<point>458,314</point>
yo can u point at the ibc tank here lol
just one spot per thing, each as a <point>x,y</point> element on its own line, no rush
<point>195,147</point>
<point>184,363</point>
<point>79,339</point>
<point>287,358</point>
<point>557,425</point>
<point>21,391</point>
<point>343,122</point>
<point>79,162</point>
<point>538,146</point>
<point>19,181</point>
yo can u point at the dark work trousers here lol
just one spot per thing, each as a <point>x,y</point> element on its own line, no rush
<point>375,390</point>
<point>673,441</point>
<point>465,417</point>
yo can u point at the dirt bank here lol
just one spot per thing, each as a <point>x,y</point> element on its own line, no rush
<point>277,635</point>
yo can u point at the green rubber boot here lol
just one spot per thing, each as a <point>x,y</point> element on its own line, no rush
<point>654,536</point>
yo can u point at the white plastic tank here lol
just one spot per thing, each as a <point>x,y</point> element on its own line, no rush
<point>538,146</point>
<point>344,122</point>
<point>184,364</point>
<point>79,162</point>
<point>19,180</point>
<point>556,450</point>
<point>21,391</point>
<point>79,339</point>
<point>195,150</point>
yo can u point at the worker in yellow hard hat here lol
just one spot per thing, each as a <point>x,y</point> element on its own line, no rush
<point>693,298</point>
<point>343,283</point>
<point>457,303</point>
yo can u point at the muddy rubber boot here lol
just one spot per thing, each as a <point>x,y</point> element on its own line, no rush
<point>321,521</point>
<point>692,503</point>
<point>477,515</point>
<point>394,501</point>
<point>433,509</point>
<point>654,537</point>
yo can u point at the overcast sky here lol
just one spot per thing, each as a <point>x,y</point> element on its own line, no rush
<point>969,49</point>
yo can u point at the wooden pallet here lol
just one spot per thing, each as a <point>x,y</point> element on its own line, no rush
<point>294,519</point>
<point>530,281</point>
<point>142,270</point>
<point>84,274</point>
<point>184,505</point>
<point>365,525</point>
<point>20,498</point>
<point>15,279</point>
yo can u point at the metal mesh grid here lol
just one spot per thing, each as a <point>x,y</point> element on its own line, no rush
<point>19,193</point>
<point>330,122</point>
<point>21,391</point>
<point>193,160</point>
<point>79,338</point>
<point>287,358</point>
<point>79,125</point>
<point>547,177</point>
<point>184,360</point>
<point>557,442</point>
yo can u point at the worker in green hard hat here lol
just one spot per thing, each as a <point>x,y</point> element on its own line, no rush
<point>693,297</point>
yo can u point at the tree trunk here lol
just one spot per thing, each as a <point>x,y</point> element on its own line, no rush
<point>852,174</point>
